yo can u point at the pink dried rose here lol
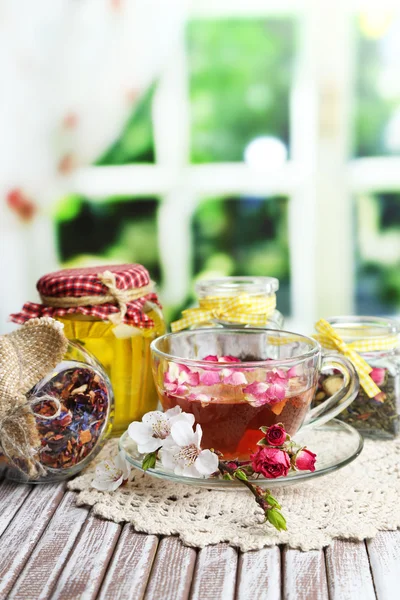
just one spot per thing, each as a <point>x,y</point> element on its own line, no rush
<point>378,376</point>
<point>293,372</point>
<point>270,462</point>
<point>203,398</point>
<point>221,359</point>
<point>276,392</point>
<point>173,388</point>
<point>232,465</point>
<point>230,359</point>
<point>278,384</point>
<point>259,393</point>
<point>188,376</point>
<point>209,377</point>
<point>233,377</point>
<point>275,435</point>
<point>211,358</point>
<point>178,378</point>
<point>256,393</point>
<point>276,376</point>
<point>226,376</point>
<point>305,460</point>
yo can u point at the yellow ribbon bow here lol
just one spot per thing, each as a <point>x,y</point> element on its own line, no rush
<point>243,309</point>
<point>330,339</point>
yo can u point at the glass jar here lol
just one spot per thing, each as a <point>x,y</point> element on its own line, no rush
<point>377,417</point>
<point>234,302</point>
<point>119,341</point>
<point>124,352</point>
<point>73,407</point>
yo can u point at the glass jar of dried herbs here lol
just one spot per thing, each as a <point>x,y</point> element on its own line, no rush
<point>70,416</point>
<point>377,416</point>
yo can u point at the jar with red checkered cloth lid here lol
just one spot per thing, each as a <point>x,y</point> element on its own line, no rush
<point>114,313</point>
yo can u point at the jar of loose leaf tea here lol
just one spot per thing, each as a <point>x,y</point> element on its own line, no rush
<point>372,344</point>
<point>114,313</point>
<point>233,302</point>
<point>56,403</point>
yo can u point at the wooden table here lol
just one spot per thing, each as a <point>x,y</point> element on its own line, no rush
<point>50,548</point>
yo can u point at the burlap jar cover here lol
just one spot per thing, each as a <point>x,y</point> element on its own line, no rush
<point>26,356</point>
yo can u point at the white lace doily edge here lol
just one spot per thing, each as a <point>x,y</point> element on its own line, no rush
<point>265,536</point>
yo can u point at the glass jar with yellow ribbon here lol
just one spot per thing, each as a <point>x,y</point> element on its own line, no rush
<point>114,313</point>
<point>233,302</point>
<point>373,346</point>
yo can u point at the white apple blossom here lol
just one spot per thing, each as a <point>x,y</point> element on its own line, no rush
<point>110,474</point>
<point>151,433</point>
<point>183,454</point>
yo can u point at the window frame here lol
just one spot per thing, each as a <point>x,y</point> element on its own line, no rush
<point>320,232</point>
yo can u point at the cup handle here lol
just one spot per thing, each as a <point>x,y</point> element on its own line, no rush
<point>334,405</point>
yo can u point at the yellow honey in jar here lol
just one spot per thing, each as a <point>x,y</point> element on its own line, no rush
<point>124,352</point>
<point>113,313</point>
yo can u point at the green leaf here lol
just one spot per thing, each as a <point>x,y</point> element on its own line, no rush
<point>264,429</point>
<point>227,476</point>
<point>248,470</point>
<point>272,501</point>
<point>276,519</point>
<point>239,474</point>
<point>262,442</point>
<point>149,461</point>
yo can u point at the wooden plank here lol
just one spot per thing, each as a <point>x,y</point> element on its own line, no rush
<point>12,496</point>
<point>51,553</point>
<point>304,575</point>
<point>172,571</point>
<point>130,566</point>
<point>259,575</point>
<point>215,573</point>
<point>84,572</point>
<point>384,558</point>
<point>348,571</point>
<point>3,467</point>
<point>22,534</point>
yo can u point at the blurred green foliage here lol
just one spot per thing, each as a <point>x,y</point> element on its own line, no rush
<point>116,230</point>
<point>243,236</point>
<point>378,264</point>
<point>240,77</point>
<point>373,109</point>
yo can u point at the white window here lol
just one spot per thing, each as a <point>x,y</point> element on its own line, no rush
<point>330,188</point>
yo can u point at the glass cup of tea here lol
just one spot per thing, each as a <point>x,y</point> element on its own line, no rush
<point>235,381</point>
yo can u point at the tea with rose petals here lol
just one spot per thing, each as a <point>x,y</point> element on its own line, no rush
<point>231,421</point>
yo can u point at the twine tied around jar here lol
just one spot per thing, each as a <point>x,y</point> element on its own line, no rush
<point>115,295</point>
<point>329,338</point>
<point>243,309</point>
<point>26,356</point>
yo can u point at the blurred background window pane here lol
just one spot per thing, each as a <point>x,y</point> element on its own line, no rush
<point>377,73</point>
<point>119,230</point>
<point>135,143</point>
<point>378,253</point>
<point>243,235</point>
<point>240,77</point>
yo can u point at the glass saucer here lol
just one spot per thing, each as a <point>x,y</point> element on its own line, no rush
<point>336,444</point>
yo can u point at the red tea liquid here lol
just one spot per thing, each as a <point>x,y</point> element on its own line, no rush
<point>232,425</point>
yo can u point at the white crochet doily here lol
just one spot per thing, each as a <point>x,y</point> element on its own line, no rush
<point>355,502</point>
